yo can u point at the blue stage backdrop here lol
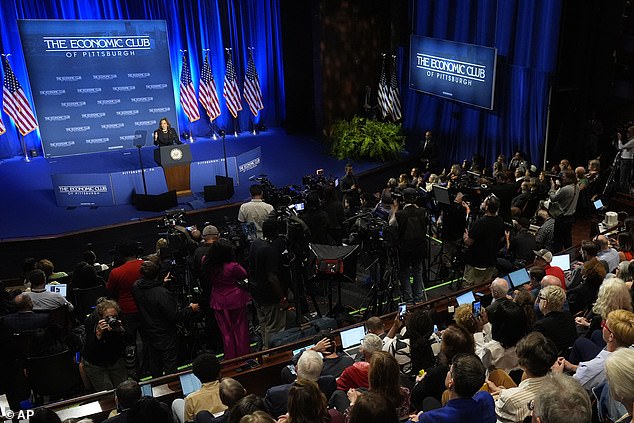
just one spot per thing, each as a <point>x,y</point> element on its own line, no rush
<point>98,85</point>
<point>456,71</point>
<point>196,26</point>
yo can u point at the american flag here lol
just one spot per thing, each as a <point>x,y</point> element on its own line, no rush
<point>188,95</point>
<point>207,93</point>
<point>14,101</point>
<point>395,103</point>
<point>3,129</point>
<point>383,92</point>
<point>231,93</point>
<point>252,91</point>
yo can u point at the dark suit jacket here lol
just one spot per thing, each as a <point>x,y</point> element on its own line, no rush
<point>25,321</point>
<point>559,327</point>
<point>276,398</point>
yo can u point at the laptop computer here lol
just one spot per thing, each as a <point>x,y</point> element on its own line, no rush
<point>520,277</point>
<point>351,340</point>
<point>562,261</point>
<point>466,298</point>
<point>146,390</point>
<point>189,383</point>
<point>59,288</point>
<point>302,349</point>
<point>509,281</point>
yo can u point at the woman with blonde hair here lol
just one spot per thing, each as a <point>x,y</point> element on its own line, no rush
<point>618,369</point>
<point>613,295</point>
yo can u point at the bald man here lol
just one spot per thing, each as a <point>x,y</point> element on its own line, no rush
<point>607,253</point>
<point>499,291</point>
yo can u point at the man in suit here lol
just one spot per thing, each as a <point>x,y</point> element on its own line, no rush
<point>24,319</point>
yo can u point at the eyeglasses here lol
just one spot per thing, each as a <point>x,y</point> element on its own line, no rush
<point>604,325</point>
<point>531,405</point>
<point>542,298</point>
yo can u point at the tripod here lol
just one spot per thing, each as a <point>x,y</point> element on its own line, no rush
<point>384,275</point>
<point>616,164</point>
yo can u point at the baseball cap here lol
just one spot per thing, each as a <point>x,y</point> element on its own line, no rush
<point>546,255</point>
<point>210,230</point>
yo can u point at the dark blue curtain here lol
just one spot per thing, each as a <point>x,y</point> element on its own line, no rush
<point>193,25</point>
<point>526,34</point>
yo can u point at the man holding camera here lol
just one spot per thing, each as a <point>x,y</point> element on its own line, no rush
<point>411,225</point>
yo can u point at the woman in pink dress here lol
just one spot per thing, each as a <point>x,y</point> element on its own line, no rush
<point>228,299</point>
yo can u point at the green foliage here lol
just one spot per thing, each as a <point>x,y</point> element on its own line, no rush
<point>362,138</point>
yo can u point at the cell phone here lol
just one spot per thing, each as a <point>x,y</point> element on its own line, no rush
<point>476,308</point>
<point>435,328</point>
<point>298,206</point>
<point>402,309</point>
<point>291,368</point>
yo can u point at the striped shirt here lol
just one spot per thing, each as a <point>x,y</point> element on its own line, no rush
<point>512,404</point>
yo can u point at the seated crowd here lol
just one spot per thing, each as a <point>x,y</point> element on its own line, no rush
<point>541,350</point>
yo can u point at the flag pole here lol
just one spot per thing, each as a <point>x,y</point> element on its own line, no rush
<point>235,127</point>
<point>23,143</point>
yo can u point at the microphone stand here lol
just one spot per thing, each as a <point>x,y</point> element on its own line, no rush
<point>223,134</point>
<point>142,169</point>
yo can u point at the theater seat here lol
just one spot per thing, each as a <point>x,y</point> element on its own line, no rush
<point>55,375</point>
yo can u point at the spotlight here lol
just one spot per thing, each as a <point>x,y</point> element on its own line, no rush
<point>185,135</point>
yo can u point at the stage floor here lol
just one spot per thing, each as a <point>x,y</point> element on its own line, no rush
<point>29,209</point>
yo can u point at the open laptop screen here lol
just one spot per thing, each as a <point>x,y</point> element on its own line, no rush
<point>59,288</point>
<point>189,383</point>
<point>520,277</point>
<point>352,337</point>
<point>466,298</point>
<point>562,261</point>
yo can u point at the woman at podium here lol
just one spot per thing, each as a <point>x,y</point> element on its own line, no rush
<point>165,134</point>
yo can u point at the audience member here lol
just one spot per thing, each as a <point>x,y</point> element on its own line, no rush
<point>455,340</point>
<point>372,407</point>
<point>384,378</point>
<point>149,409</point>
<point>42,298</point>
<point>536,354</point>
<point>499,291</point>
<point>206,368</point>
<point>544,235</point>
<point>126,395</point>
<point>307,403</point>
<point>248,405</point>
<point>557,325</point>
<point>464,379</point>
<point>565,197</point>
<point>228,299</point>
<point>309,368</point>
<point>607,253</point>
<point>408,341</point>
<point>255,211</point>
<point>543,258</point>
<point>625,246</point>
<point>618,369</point>
<point>231,391</point>
<point>618,332</point>
<point>104,349</point>
<point>85,276</point>
<point>24,319</point>
<point>582,296</point>
<point>561,399</point>
<point>508,327</point>
<point>356,375</point>
<point>526,301</point>
<point>48,267</point>
<point>44,415</point>
<point>375,325</point>
<point>159,315</point>
<point>210,235</point>
<point>333,363</point>
<point>257,417</point>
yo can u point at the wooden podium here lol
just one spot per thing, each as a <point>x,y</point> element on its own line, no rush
<point>175,160</point>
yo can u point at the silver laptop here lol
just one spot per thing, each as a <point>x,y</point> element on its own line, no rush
<point>351,340</point>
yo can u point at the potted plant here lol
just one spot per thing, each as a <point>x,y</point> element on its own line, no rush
<point>361,138</point>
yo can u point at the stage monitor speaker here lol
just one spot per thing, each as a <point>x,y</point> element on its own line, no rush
<point>218,192</point>
<point>228,182</point>
<point>149,202</point>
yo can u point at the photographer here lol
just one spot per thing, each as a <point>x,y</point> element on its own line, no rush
<point>159,314</point>
<point>411,224</point>
<point>103,359</point>
<point>563,204</point>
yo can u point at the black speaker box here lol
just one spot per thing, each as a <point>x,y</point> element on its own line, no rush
<point>150,202</point>
<point>224,180</point>
<point>223,190</point>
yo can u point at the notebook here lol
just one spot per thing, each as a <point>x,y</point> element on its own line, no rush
<point>59,288</point>
<point>351,340</point>
<point>562,261</point>
<point>520,277</point>
<point>302,349</point>
<point>466,298</point>
<point>189,383</point>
